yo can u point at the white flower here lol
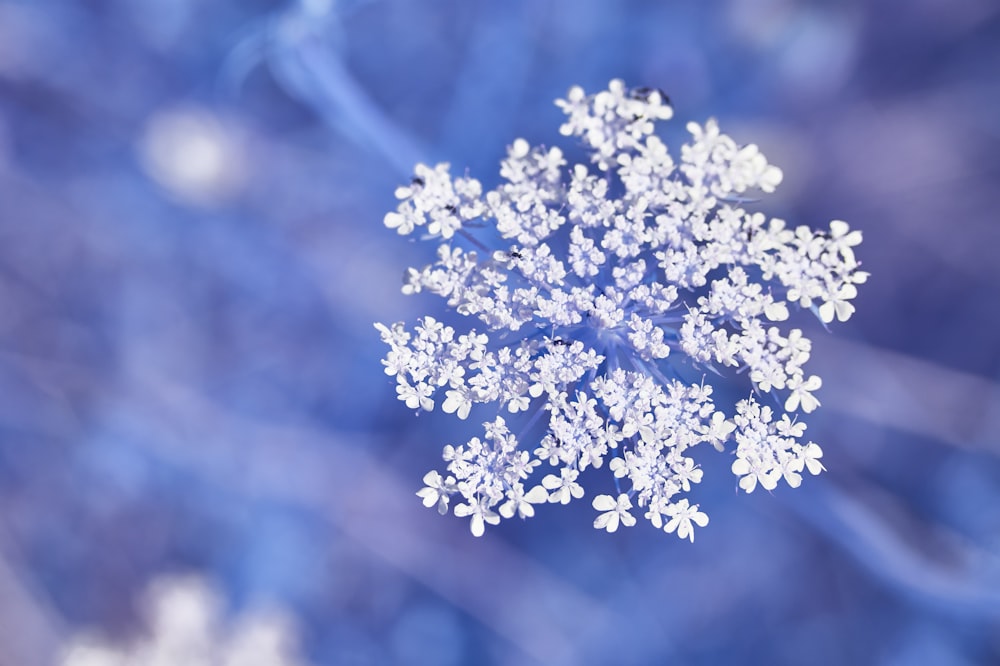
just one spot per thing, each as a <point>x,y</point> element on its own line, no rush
<point>790,472</point>
<point>437,491</point>
<point>403,224</point>
<point>481,514</point>
<point>843,240</point>
<point>606,281</point>
<point>839,304</point>
<point>686,473</point>
<point>185,625</point>
<point>682,515</point>
<point>801,393</point>
<point>564,487</point>
<point>753,473</point>
<point>520,503</point>
<point>719,430</point>
<point>787,428</point>
<point>615,511</point>
<point>810,456</point>
<point>458,403</point>
<point>416,396</point>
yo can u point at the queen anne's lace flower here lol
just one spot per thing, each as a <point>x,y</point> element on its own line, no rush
<point>185,625</point>
<point>615,511</point>
<point>611,282</point>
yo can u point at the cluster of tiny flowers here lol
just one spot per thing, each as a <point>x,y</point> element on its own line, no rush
<point>611,281</point>
<point>185,628</point>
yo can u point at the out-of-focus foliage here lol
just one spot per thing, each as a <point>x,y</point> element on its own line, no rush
<point>191,201</point>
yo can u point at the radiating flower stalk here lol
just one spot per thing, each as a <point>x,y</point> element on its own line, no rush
<point>610,283</point>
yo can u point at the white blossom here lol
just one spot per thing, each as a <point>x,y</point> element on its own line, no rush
<point>479,509</point>
<point>595,300</point>
<point>615,511</point>
<point>437,491</point>
<point>682,518</point>
<point>184,624</point>
<point>564,487</point>
<point>801,393</point>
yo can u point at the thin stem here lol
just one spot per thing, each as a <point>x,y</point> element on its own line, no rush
<point>475,241</point>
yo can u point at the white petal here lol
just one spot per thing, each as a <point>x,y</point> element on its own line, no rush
<point>847,292</point>
<point>519,149</point>
<point>838,228</point>
<point>844,310</point>
<point>507,509</point>
<point>776,311</point>
<point>476,526</point>
<point>536,495</point>
<point>607,521</point>
<point>429,495</point>
<point>605,503</point>
<point>826,312</point>
<point>793,478</point>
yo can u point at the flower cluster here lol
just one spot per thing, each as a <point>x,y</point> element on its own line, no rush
<point>184,616</point>
<point>613,282</point>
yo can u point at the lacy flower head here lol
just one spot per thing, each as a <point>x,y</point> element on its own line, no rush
<point>597,303</point>
<point>185,626</point>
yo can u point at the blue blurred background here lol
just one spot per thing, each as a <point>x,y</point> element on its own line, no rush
<point>192,256</point>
